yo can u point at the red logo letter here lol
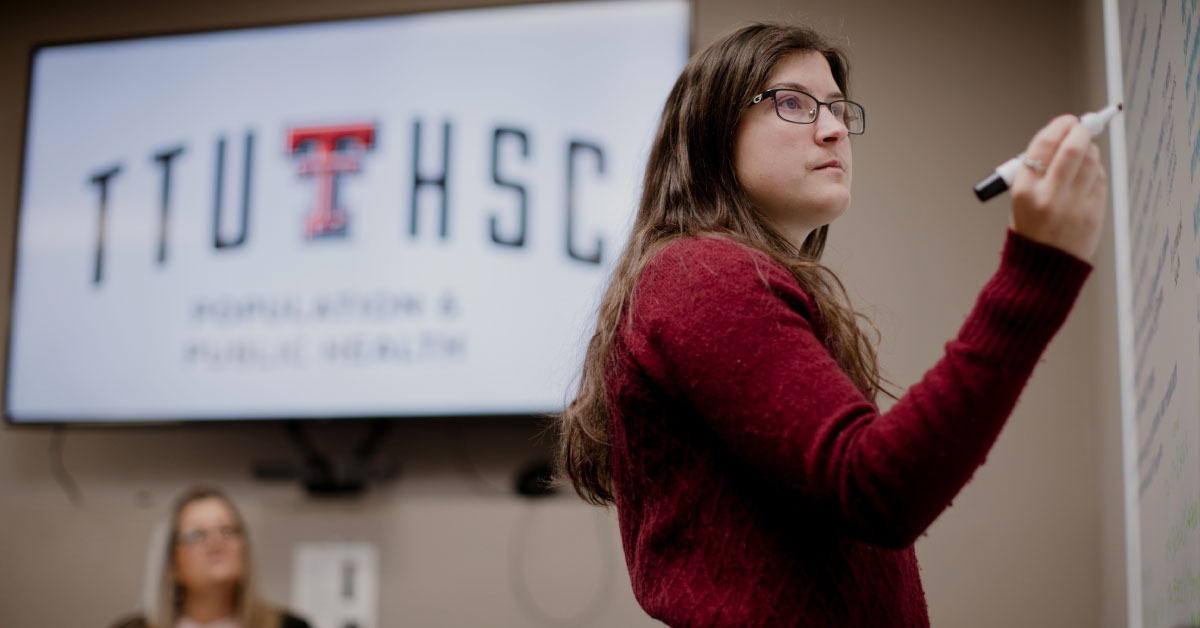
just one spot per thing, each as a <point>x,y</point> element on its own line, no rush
<point>325,161</point>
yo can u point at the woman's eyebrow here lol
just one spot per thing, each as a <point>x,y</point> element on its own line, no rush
<point>836,95</point>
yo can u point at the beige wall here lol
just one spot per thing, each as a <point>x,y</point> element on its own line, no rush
<point>952,87</point>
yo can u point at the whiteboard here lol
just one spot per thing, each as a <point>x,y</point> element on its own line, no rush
<point>1151,59</point>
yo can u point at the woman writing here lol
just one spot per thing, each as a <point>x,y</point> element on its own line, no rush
<point>727,400</point>
<point>205,579</point>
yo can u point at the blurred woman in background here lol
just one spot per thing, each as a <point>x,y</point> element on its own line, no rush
<point>204,578</point>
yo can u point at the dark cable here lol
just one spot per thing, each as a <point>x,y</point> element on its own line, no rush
<point>57,444</point>
<point>478,481</point>
<point>363,457</point>
<point>524,595</point>
<point>312,457</point>
<point>370,443</point>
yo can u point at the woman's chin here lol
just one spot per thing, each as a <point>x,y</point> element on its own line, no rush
<point>834,205</point>
<point>831,198</point>
<point>224,576</point>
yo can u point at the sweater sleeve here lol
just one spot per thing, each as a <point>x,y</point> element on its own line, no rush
<point>730,333</point>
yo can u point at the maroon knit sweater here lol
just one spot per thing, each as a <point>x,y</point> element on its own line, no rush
<point>755,485</point>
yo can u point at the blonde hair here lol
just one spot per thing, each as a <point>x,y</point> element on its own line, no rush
<point>163,598</point>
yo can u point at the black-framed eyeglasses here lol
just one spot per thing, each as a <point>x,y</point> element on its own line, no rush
<point>800,107</point>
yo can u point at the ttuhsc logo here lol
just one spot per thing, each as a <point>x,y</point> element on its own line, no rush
<point>325,152</point>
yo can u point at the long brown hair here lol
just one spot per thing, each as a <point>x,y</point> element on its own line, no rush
<point>691,189</point>
<point>165,603</point>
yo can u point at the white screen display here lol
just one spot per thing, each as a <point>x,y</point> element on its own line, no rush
<point>400,216</point>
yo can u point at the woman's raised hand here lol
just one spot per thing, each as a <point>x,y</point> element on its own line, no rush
<point>1061,204</point>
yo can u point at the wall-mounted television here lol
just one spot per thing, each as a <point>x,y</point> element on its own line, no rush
<point>401,216</point>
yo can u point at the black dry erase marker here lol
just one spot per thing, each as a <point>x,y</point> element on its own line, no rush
<point>999,180</point>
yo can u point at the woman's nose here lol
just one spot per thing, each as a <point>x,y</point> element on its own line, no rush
<point>830,128</point>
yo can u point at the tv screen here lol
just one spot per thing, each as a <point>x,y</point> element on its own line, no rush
<point>406,216</point>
